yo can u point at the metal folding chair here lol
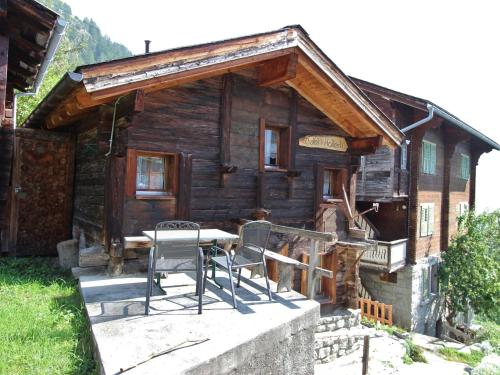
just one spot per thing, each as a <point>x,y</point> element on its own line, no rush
<point>254,237</point>
<point>176,255</point>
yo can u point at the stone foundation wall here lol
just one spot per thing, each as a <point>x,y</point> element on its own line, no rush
<point>337,335</point>
<point>411,310</point>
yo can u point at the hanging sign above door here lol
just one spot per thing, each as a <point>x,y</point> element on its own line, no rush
<point>328,142</point>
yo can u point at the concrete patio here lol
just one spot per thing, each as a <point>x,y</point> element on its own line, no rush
<point>260,337</point>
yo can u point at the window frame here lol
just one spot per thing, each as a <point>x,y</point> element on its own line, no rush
<point>461,174</point>
<point>429,157</point>
<point>427,216</point>
<point>430,281</point>
<point>171,176</point>
<point>283,142</point>
<point>337,178</point>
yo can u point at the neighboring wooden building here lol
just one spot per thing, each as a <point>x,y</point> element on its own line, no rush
<point>421,189</point>
<point>29,34</point>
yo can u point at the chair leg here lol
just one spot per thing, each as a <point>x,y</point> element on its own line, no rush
<point>267,282</point>
<point>239,278</point>
<point>199,285</point>
<point>149,285</point>
<point>205,275</point>
<point>230,272</point>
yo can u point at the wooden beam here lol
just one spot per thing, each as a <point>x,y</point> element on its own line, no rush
<point>4,50</point>
<point>185,75</point>
<point>225,128</point>
<point>129,104</point>
<point>184,195</point>
<point>364,146</point>
<point>278,70</point>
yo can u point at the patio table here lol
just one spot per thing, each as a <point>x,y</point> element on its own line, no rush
<point>206,236</point>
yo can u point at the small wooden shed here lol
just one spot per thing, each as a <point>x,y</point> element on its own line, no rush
<point>259,126</point>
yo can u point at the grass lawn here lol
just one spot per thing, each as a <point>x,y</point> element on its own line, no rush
<point>43,328</point>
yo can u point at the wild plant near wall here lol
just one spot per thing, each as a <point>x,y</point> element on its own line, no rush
<point>470,271</point>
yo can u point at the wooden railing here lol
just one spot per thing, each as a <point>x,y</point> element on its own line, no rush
<point>362,222</point>
<point>385,256</point>
<point>375,310</point>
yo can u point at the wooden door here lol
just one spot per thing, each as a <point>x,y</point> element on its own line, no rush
<point>42,183</point>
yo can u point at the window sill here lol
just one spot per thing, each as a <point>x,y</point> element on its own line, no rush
<point>269,168</point>
<point>155,196</point>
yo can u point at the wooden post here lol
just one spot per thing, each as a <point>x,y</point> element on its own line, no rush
<point>366,354</point>
<point>313,262</point>
<point>4,48</point>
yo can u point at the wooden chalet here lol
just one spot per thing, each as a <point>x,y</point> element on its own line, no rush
<point>421,189</point>
<point>262,126</point>
<point>29,34</point>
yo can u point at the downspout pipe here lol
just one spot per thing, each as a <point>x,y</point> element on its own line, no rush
<point>429,117</point>
<point>55,40</point>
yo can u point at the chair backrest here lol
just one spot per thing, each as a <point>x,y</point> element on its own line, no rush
<point>176,245</point>
<point>254,237</point>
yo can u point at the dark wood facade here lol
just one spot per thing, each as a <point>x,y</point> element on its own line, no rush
<point>205,114</point>
<point>188,121</point>
<point>26,29</point>
<point>402,186</point>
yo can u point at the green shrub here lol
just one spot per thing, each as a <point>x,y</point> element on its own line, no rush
<point>414,352</point>
<point>490,331</point>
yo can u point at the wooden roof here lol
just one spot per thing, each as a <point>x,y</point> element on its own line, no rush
<point>286,56</point>
<point>422,105</point>
<point>29,26</point>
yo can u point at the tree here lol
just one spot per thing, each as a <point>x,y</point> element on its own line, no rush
<point>82,43</point>
<point>470,272</point>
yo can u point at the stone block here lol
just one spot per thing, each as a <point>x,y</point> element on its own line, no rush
<point>341,353</point>
<point>321,328</point>
<point>68,253</point>
<point>340,324</point>
<point>332,326</point>
<point>93,256</point>
<point>323,353</point>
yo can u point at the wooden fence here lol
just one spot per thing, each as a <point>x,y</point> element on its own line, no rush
<point>375,310</point>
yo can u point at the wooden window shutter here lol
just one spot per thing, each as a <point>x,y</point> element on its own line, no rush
<point>425,157</point>
<point>430,222</point>
<point>185,179</point>
<point>432,151</point>
<point>424,224</point>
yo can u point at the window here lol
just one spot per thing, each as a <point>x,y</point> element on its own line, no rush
<point>404,155</point>
<point>428,158</point>
<point>271,147</point>
<point>274,146</point>
<point>426,219</point>
<point>464,166</point>
<point>332,184</point>
<point>151,174</point>
<point>429,281</point>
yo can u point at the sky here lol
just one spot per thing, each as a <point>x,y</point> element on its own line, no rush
<point>445,51</point>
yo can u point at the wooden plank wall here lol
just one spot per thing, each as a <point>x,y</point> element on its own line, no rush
<point>187,119</point>
<point>88,205</point>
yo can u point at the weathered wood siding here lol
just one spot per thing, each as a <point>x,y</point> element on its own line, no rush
<point>88,206</point>
<point>187,119</point>
<point>376,176</point>
<point>6,151</point>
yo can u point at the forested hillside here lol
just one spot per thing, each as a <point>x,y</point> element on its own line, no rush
<point>83,43</point>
